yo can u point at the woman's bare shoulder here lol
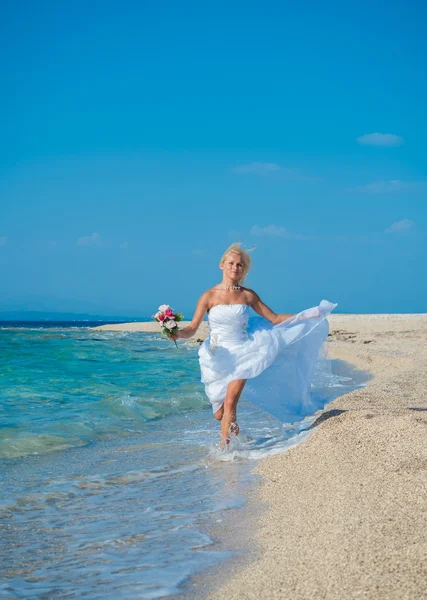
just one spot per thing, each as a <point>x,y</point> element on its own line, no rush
<point>209,294</point>
<point>250,296</point>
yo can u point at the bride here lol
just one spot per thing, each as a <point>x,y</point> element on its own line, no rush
<point>277,353</point>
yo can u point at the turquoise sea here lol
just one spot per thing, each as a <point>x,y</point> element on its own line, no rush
<point>110,475</point>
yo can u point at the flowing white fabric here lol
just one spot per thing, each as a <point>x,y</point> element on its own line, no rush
<point>278,360</point>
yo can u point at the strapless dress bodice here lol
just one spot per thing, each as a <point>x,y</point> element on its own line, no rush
<point>228,323</point>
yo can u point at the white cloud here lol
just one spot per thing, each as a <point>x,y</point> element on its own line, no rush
<point>403,225</point>
<point>381,187</point>
<point>380,139</point>
<point>277,231</point>
<point>89,240</point>
<point>271,230</point>
<point>257,168</point>
<point>393,185</point>
<point>3,241</point>
<point>262,169</point>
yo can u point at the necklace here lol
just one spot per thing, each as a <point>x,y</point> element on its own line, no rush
<point>231,287</point>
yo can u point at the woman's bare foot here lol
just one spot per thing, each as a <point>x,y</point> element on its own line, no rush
<point>234,428</point>
<point>223,442</point>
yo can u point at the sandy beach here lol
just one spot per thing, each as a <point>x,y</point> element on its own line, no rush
<point>346,512</point>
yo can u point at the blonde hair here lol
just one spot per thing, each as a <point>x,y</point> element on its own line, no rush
<point>244,256</point>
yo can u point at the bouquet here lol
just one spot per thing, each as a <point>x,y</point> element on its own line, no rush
<point>168,320</point>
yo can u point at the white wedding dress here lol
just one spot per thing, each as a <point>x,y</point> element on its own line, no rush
<point>277,360</point>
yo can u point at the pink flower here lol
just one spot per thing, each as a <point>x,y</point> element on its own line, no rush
<point>169,313</point>
<point>161,317</point>
<point>170,324</point>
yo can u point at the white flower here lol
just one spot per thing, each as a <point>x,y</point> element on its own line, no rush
<point>157,315</point>
<point>163,307</point>
<point>170,324</point>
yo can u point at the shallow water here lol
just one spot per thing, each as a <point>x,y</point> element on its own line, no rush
<point>110,472</point>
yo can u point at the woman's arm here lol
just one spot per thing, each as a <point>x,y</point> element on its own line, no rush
<point>266,312</point>
<point>199,313</point>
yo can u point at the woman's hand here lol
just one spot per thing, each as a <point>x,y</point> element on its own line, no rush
<point>183,334</point>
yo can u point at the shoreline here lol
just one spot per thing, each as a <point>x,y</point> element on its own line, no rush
<point>343,514</point>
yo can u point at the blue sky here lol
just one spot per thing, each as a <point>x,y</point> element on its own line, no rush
<point>140,139</point>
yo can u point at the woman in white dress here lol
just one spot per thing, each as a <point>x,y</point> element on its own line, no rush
<point>277,353</point>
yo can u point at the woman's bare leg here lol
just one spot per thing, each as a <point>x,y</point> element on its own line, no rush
<point>219,413</point>
<point>234,427</point>
<point>234,391</point>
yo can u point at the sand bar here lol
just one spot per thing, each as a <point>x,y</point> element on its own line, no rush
<point>152,327</point>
